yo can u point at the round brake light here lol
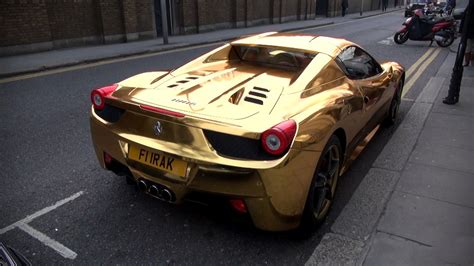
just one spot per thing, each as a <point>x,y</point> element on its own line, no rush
<point>277,139</point>
<point>97,100</point>
<point>98,96</point>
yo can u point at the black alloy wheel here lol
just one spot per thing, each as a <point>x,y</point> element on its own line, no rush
<point>447,41</point>
<point>400,37</point>
<point>392,115</point>
<point>323,186</point>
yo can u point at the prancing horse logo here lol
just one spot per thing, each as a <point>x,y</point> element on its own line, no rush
<point>157,128</point>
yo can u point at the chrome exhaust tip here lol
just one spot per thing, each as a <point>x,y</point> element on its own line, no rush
<point>154,190</point>
<point>166,195</point>
<point>142,185</point>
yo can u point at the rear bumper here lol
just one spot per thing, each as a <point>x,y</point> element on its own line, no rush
<point>275,197</point>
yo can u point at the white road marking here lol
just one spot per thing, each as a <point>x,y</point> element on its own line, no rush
<point>23,225</point>
<point>37,214</point>
<point>388,41</point>
<point>58,247</point>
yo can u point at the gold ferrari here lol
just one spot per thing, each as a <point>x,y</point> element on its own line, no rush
<point>265,124</point>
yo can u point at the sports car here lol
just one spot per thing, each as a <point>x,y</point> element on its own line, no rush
<point>265,124</point>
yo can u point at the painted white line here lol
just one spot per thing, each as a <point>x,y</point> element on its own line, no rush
<point>58,247</point>
<point>387,41</point>
<point>37,214</point>
<point>22,224</point>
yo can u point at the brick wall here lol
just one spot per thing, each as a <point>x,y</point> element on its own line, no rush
<point>72,20</point>
<point>34,25</point>
<point>259,11</point>
<point>144,15</point>
<point>188,9</point>
<point>111,15</point>
<point>206,15</point>
<point>23,23</point>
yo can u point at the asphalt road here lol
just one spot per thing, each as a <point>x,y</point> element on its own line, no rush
<point>47,156</point>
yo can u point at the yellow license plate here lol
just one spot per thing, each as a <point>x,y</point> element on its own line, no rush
<point>158,160</point>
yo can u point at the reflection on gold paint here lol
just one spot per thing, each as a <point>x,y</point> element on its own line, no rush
<point>212,93</point>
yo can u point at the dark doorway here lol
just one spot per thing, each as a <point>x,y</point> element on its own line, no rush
<point>159,27</point>
<point>322,7</point>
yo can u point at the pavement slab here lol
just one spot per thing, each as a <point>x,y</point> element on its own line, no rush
<point>442,136</point>
<point>428,221</point>
<point>450,122</point>
<point>335,249</point>
<point>438,183</point>
<point>359,217</point>
<point>389,249</point>
<point>464,107</point>
<point>459,159</point>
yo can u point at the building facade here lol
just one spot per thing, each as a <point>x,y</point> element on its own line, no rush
<point>38,25</point>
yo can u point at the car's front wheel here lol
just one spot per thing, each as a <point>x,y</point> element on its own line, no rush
<point>323,186</point>
<point>392,115</point>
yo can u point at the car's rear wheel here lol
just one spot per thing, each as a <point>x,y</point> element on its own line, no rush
<point>323,186</point>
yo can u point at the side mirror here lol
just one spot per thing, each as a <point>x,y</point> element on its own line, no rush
<point>390,72</point>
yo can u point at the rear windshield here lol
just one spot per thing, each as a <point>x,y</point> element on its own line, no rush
<point>274,56</point>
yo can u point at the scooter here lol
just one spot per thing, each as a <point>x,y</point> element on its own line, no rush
<point>427,28</point>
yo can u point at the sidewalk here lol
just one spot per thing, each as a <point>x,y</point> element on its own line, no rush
<point>429,219</point>
<point>415,206</point>
<point>21,64</point>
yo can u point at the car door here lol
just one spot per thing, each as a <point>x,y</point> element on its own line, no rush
<point>370,78</point>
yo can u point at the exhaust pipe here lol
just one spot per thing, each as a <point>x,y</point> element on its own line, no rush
<point>166,195</point>
<point>154,190</point>
<point>142,185</point>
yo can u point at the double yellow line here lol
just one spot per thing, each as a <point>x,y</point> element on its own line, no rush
<point>415,71</point>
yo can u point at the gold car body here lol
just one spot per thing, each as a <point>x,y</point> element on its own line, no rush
<point>208,95</point>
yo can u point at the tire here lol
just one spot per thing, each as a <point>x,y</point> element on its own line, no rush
<point>392,114</point>
<point>447,42</point>
<point>400,37</point>
<point>323,187</point>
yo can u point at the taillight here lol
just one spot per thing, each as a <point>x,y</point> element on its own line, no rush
<point>277,139</point>
<point>238,205</point>
<point>108,159</point>
<point>98,96</point>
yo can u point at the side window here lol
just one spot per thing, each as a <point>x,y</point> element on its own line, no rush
<point>357,64</point>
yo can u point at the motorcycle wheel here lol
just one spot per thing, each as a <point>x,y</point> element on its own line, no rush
<point>446,42</point>
<point>400,37</point>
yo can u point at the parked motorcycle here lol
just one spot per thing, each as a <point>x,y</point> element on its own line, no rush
<point>421,27</point>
